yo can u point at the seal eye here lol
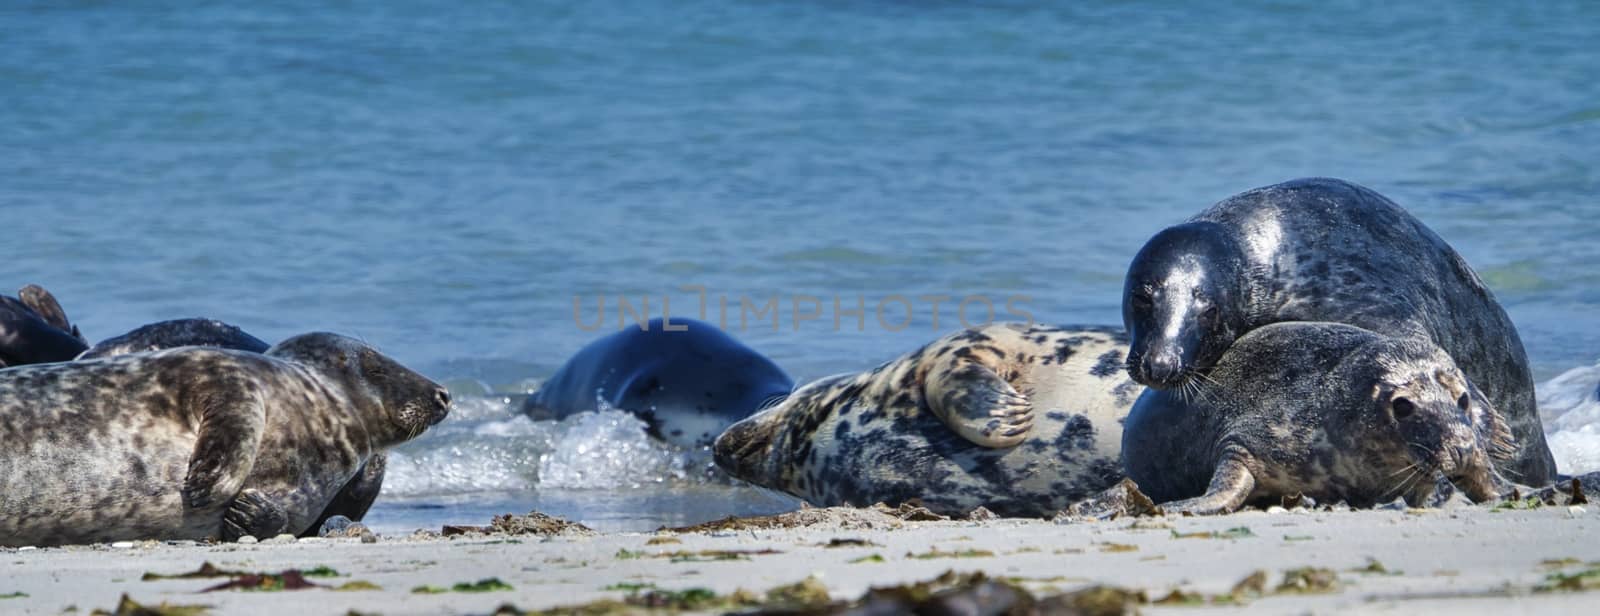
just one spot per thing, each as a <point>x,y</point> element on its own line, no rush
<point>1210,314</point>
<point>1463,402</point>
<point>1141,301</point>
<point>1403,408</point>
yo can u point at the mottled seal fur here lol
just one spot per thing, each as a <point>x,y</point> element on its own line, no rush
<point>1020,419</point>
<point>352,501</point>
<point>686,384</point>
<point>1322,249</point>
<point>34,329</point>
<point>196,443</point>
<point>1331,411</point>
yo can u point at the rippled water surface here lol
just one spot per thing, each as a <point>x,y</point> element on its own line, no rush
<point>443,180</point>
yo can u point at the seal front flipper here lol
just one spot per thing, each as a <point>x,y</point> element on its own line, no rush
<point>356,497</point>
<point>1230,485</point>
<point>976,403</point>
<point>231,429</point>
<point>253,513</point>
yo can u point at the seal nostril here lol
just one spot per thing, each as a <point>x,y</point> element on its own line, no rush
<point>443,396</point>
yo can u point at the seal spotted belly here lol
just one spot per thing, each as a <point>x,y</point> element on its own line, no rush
<point>196,443</point>
<point>1322,249</point>
<point>1020,419</point>
<point>1327,410</point>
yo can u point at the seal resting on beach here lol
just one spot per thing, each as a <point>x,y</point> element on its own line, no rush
<point>687,384</point>
<point>1020,419</point>
<point>197,443</point>
<point>352,501</point>
<point>34,329</point>
<point>1327,410</point>
<point>1322,249</point>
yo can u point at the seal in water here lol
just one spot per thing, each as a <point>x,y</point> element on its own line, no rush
<point>1020,419</point>
<point>687,383</point>
<point>196,443</point>
<point>352,501</point>
<point>34,329</point>
<point>1322,249</point>
<point>1327,410</point>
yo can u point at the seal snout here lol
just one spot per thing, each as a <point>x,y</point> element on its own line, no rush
<point>742,448</point>
<point>441,396</point>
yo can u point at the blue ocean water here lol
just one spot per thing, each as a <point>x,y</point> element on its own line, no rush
<point>444,180</point>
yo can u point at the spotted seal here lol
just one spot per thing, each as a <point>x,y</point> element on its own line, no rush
<point>1322,249</point>
<point>196,443</point>
<point>1020,419</point>
<point>1331,411</point>
<point>35,330</point>
<point>352,501</point>
<point>686,379</point>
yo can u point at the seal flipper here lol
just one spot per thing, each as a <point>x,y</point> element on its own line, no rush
<point>1231,484</point>
<point>252,513</point>
<point>977,404</point>
<point>357,496</point>
<point>224,453</point>
<point>45,305</point>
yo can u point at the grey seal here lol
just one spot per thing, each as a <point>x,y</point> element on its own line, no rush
<point>1327,410</point>
<point>352,501</point>
<point>687,384</point>
<point>35,330</point>
<point>1322,249</point>
<point>1020,419</point>
<point>197,443</point>
<point>177,333</point>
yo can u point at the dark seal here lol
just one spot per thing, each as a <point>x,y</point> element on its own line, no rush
<point>1020,419</point>
<point>1324,250</point>
<point>686,379</point>
<point>197,443</point>
<point>1326,410</point>
<point>176,333</point>
<point>34,329</point>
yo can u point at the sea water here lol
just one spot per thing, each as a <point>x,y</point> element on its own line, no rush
<point>446,181</point>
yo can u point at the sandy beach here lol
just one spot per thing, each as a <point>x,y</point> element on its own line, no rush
<point>1464,561</point>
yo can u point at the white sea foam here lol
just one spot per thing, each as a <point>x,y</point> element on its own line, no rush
<point>1569,407</point>
<point>487,445</point>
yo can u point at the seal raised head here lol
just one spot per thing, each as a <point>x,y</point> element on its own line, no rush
<point>1020,419</point>
<point>195,443</point>
<point>1322,249</point>
<point>1327,410</point>
<point>686,379</point>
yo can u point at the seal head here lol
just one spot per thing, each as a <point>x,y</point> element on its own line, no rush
<point>403,402</point>
<point>1181,303</point>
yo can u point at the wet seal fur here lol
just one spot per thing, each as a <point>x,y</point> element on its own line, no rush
<point>197,443</point>
<point>687,384</point>
<point>1330,411</point>
<point>1020,419</point>
<point>1322,249</point>
<point>34,329</point>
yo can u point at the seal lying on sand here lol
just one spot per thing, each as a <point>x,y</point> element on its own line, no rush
<point>1022,420</point>
<point>1331,411</point>
<point>1324,250</point>
<point>686,384</point>
<point>195,443</point>
<point>34,329</point>
<point>352,501</point>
